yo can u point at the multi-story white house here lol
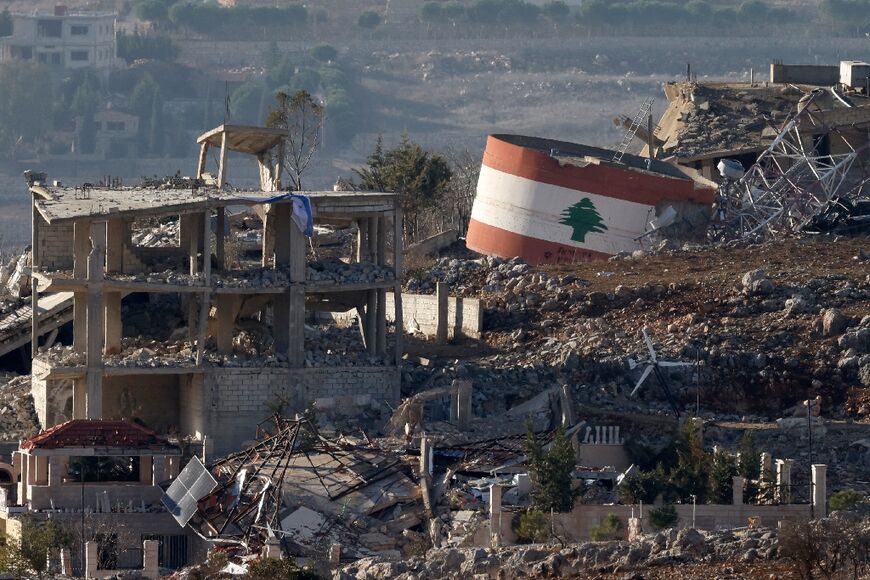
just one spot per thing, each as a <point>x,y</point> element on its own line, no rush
<point>63,39</point>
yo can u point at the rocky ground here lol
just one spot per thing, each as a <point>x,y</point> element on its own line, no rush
<point>729,554</point>
<point>768,325</point>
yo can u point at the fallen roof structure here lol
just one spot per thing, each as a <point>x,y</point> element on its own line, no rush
<point>295,487</point>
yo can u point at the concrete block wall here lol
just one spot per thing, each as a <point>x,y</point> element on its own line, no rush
<point>55,246</point>
<point>465,315</point>
<point>238,399</point>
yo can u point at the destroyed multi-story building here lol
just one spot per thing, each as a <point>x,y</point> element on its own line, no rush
<point>242,348</point>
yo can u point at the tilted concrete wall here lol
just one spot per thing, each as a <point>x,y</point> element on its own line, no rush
<point>52,399</point>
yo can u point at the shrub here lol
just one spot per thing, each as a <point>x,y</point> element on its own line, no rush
<point>643,487</point>
<point>846,499</point>
<point>609,529</point>
<point>274,569</point>
<point>324,52</point>
<point>663,517</point>
<point>369,20</point>
<point>531,526</point>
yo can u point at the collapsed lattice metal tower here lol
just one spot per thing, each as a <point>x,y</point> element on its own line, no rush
<point>792,181</point>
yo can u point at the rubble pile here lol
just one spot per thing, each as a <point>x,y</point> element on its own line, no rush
<point>721,117</point>
<point>161,235</point>
<point>338,272</point>
<point>666,548</point>
<point>18,419</point>
<point>751,329</point>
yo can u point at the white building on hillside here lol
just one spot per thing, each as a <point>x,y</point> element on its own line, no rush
<point>63,39</point>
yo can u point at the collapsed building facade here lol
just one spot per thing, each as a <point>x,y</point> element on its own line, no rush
<point>725,161</point>
<point>200,381</point>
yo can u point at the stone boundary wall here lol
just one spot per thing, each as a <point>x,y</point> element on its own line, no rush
<point>576,526</point>
<point>464,315</point>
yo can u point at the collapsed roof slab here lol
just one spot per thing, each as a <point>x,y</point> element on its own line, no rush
<point>59,205</point>
<point>243,138</point>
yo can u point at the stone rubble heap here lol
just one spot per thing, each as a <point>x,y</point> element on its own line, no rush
<point>163,235</point>
<point>18,419</point>
<point>669,547</point>
<point>337,272</point>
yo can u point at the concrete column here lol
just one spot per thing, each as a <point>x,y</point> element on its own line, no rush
<point>173,466</point>
<point>362,240</point>
<point>524,484</point>
<point>200,163</point>
<point>222,162</point>
<point>227,309</point>
<point>113,323</point>
<point>80,389</point>
<point>145,468</point>
<point>598,434</point>
<point>398,230</point>
<point>335,555</point>
<point>55,470</point>
<point>766,465</point>
<point>425,457</point>
<point>820,490</point>
<point>81,248</point>
<point>783,479</point>
<point>65,562</point>
<point>41,470</point>
<point>95,332</point>
<point>371,321</point>
<point>114,245</point>
<point>442,294</point>
<point>737,485</point>
<point>381,254</point>
<point>150,559</point>
<point>495,515</point>
<point>220,238</point>
<point>158,469</point>
<point>91,562</point>
<point>460,403</point>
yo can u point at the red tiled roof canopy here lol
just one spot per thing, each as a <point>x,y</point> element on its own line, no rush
<point>95,433</point>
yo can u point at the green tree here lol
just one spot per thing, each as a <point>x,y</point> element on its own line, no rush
<point>302,117</point>
<point>550,471</point>
<point>583,218</point>
<point>644,486</point>
<point>431,13</point>
<point>556,10</point>
<point>6,24</point>
<point>142,104</point>
<point>153,10</point>
<point>140,46</point>
<point>845,499</point>
<point>531,526</point>
<point>663,517</point>
<point>29,553</point>
<point>749,465</point>
<point>324,52</point>
<point>25,113</point>
<point>369,20</point>
<point>691,475</point>
<point>722,473</point>
<point>418,176</point>
<point>610,528</point>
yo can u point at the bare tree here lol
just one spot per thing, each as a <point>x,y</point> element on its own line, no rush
<point>462,186</point>
<point>302,117</point>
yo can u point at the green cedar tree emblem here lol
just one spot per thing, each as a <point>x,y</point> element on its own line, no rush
<point>584,218</point>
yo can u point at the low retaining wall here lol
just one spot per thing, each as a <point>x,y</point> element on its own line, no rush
<point>576,525</point>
